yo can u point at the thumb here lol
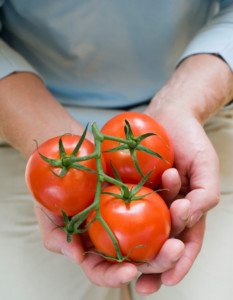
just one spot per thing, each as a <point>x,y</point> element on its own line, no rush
<point>54,238</point>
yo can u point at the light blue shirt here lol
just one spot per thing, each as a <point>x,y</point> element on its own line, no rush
<point>110,53</point>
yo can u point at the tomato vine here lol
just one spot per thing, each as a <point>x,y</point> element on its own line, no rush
<point>74,224</point>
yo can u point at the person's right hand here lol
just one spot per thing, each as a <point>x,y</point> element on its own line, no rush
<point>97,269</point>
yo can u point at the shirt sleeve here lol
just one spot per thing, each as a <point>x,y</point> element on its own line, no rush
<point>10,60</point>
<point>216,37</point>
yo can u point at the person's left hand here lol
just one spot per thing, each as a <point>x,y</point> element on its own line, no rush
<point>178,253</point>
<point>197,164</point>
<point>193,94</point>
<point>156,273</point>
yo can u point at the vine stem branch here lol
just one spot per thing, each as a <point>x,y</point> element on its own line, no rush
<point>72,224</point>
<point>79,218</point>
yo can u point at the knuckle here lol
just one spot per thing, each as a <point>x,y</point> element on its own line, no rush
<point>47,244</point>
<point>50,245</point>
<point>215,199</point>
<point>93,278</point>
<point>162,266</point>
<point>94,281</point>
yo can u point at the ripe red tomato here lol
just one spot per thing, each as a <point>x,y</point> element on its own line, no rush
<point>140,227</point>
<point>71,193</point>
<point>122,161</point>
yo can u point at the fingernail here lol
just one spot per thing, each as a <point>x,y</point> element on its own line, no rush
<point>176,257</point>
<point>178,252</point>
<point>186,213</point>
<point>194,219</point>
<point>67,253</point>
<point>128,274</point>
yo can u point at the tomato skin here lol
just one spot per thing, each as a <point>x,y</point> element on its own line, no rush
<point>141,227</point>
<point>122,161</point>
<point>71,193</point>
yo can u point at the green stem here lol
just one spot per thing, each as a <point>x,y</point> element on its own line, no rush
<point>112,236</point>
<point>100,136</point>
<point>124,187</point>
<point>87,157</point>
<point>130,143</point>
<point>68,160</point>
<point>72,225</point>
<point>101,178</point>
<point>80,217</point>
<point>115,181</point>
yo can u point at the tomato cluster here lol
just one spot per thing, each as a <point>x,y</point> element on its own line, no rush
<point>64,174</point>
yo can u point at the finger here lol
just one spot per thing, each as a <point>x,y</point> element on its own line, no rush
<point>204,185</point>
<point>180,213</point>
<point>107,274</point>
<point>54,238</point>
<point>202,200</point>
<point>192,238</point>
<point>169,254</point>
<point>171,183</point>
<point>148,284</point>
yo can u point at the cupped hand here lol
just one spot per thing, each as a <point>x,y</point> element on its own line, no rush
<point>195,160</point>
<point>97,269</point>
<point>198,167</point>
<point>172,250</point>
<point>173,262</point>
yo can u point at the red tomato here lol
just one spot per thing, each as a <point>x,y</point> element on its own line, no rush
<point>140,227</point>
<point>71,193</point>
<point>122,161</point>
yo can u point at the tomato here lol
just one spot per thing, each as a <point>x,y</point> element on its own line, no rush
<point>71,193</point>
<point>122,160</point>
<point>140,227</point>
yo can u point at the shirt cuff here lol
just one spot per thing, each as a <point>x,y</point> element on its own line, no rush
<point>11,61</point>
<point>217,39</point>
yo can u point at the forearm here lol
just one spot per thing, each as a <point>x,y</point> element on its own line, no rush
<point>28,111</point>
<point>201,85</point>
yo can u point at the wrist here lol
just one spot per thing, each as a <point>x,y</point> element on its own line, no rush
<point>200,86</point>
<point>28,112</point>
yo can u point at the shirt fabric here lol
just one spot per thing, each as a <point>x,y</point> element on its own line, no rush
<point>114,53</point>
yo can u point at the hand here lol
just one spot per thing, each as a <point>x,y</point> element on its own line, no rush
<point>196,162</point>
<point>174,259</point>
<point>97,269</point>
<point>198,167</point>
<point>194,93</point>
<point>155,274</point>
<point>177,254</point>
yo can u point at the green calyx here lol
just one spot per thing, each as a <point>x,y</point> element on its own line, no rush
<point>67,161</point>
<point>126,194</point>
<point>133,144</point>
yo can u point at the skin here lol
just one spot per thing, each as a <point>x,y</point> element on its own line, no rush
<point>37,114</point>
<point>199,87</point>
